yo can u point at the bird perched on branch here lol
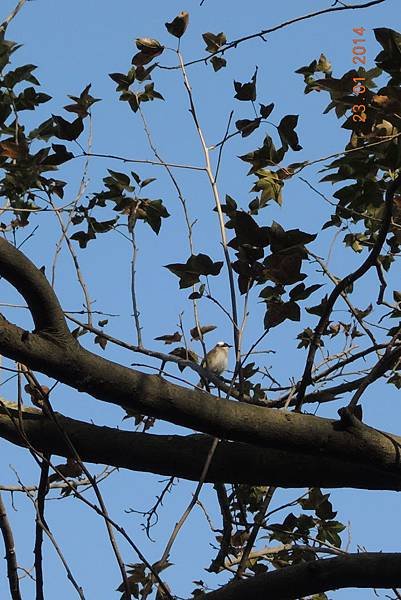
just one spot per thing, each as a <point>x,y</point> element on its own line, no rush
<point>216,360</point>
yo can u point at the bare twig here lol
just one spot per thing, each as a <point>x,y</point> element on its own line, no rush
<point>212,180</point>
<point>261,34</point>
<point>348,280</point>
<point>11,558</point>
<point>141,161</point>
<point>260,515</point>
<point>40,519</point>
<point>11,16</point>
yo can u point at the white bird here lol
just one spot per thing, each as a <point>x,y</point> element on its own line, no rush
<point>216,360</point>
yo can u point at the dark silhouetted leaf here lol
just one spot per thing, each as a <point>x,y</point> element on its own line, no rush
<point>246,91</point>
<point>170,338</point>
<point>204,330</point>
<point>286,130</point>
<point>214,41</point>
<point>178,25</point>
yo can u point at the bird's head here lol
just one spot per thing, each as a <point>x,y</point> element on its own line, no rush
<point>223,345</point>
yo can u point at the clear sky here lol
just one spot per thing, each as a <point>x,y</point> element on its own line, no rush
<point>75,43</point>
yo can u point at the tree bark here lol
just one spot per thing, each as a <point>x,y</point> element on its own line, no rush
<point>369,570</point>
<point>185,456</point>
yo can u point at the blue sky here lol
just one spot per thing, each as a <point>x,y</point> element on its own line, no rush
<point>77,43</point>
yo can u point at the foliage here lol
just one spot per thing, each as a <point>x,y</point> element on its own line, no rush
<point>266,263</point>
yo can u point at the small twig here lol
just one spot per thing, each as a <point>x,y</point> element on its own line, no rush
<point>40,519</point>
<point>186,513</point>
<point>11,16</point>
<point>391,354</point>
<point>138,327</point>
<point>260,515</point>
<point>348,280</point>
<point>264,32</point>
<point>11,559</point>
<point>57,548</point>
<point>225,544</point>
<point>80,277</point>
<point>213,184</point>
<point>141,161</point>
<point>225,138</point>
<point>344,295</point>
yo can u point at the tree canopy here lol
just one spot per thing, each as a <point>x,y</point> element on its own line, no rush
<point>116,287</point>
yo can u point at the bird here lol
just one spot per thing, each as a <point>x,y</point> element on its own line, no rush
<point>216,360</point>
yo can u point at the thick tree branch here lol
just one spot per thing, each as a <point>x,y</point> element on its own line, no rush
<point>32,284</point>
<point>184,456</point>
<point>368,570</point>
<point>65,360</point>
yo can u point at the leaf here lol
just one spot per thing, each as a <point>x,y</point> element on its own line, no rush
<point>83,237</point>
<point>246,126</point>
<point>101,340</point>
<point>265,156</point>
<point>60,156</point>
<point>265,110</point>
<point>185,355</point>
<point>389,59</point>
<point>170,338</point>
<point>246,91</point>
<point>277,312</point>
<point>146,182</point>
<point>247,231</point>
<point>204,330</point>
<point>197,294</point>
<point>82,103</point>
<point>68,131</point>
<point>11,149</point>
<point>149,45</point>
<point>196,265</point>
<point>148,48</point>
<point>319,309</point>
<point>153,213</point>
<point>218,63</point>
<point>214,41</point>
<point>286,130</point>
<point>324,65</point>
<point>284,240</point>
<point>300,292</point>
<point>178,25</point>
<point>283,268</point>
<point>121,178</point>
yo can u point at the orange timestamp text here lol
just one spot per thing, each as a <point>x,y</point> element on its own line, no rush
<point>359,57</point>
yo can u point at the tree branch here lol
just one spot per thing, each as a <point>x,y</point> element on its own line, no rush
<point>368,570</point>
<point>12,567</point>
<point>32,284</point>
<point>348,280</point>
<point>185,456</point>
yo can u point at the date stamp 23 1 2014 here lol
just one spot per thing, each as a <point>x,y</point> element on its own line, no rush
<point>359,57</point>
